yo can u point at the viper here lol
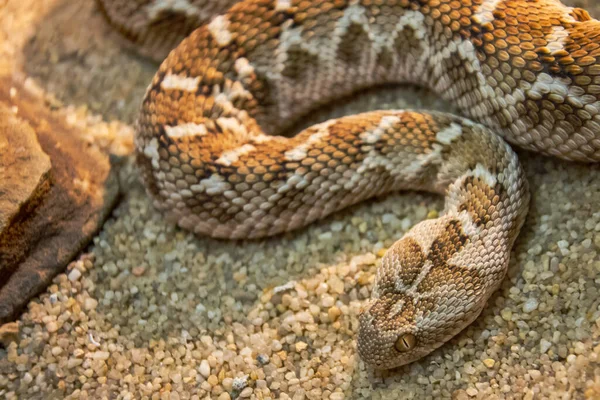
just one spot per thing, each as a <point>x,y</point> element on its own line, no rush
<point>212,157</point>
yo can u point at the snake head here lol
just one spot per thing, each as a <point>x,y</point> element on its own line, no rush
<point>423,296</point>
<point>395,330</point>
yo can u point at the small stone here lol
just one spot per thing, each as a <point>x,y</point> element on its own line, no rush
<point>52,326</point>
<point>544,346</point>
<point>204,368</point>
<point>530,305</point>
<point>74,362</point>
<point>472,391</point>
<point>439,373</point>
<point>336,284</point>
<point>213,380</point>
<point>138,271</point>
<point>101,355</point>
<point>432,214</point>
<point>74,275</point>
<point>327,301</point>
<point>489,362</point>
<point>239,383</point>
<point>301,346</point>
<point>9,332</point>
<point>90,304</point>
<point>304,317</point>
<point>334,312</point>
<point>27,378</point>
<point>263,359</point>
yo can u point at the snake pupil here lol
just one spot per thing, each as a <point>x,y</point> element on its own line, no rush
<point>405,342</point>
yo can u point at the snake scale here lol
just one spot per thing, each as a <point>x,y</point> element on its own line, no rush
<point>211,155</point>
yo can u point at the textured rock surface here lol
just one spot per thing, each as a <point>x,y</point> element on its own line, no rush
<point>24,168</point>
<point>55,195</point>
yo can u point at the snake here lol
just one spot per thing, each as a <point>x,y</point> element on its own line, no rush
<point>212,153</point>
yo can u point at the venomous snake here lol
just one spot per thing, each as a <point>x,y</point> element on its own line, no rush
<point>210,155</point>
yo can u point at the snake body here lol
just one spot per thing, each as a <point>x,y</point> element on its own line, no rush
<point>211,158</point>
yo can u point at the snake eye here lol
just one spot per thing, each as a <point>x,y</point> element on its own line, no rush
<point>405,342</point>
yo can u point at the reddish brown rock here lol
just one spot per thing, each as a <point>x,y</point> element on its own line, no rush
<point>24,178</point>
<point>55,193</point>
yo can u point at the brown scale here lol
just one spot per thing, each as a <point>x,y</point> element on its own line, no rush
<point>410,255</point>
<point>384,308</point>
<point>483,200</point>
<point>442,249</point>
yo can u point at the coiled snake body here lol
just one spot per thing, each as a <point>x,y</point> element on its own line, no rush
<point>211,159</point>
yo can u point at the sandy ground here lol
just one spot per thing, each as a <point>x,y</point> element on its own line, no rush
<point>151,311</point>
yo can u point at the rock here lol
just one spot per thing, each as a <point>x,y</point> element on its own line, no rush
<point>9,332</point>
<point>24,169</point>
<point>55,192</point>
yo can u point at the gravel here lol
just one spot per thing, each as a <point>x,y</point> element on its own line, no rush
<point>153,312</point>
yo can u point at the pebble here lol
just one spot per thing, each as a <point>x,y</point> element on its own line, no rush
<point>101,355</point>
<point>240,383</point>
<point>530,305</point>
<point>334,312</point>
<point>204,368</point>
<point>336,284</point>
<point>74,275</point>
<point>301,346</point>
<point>90,304</point>
<point>9,332</point>
<point>262,359</point>
<point>52,326</point>
<point>544,345</point>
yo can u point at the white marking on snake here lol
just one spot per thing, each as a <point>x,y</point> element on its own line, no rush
<point>213,185</point>
<point>556,39</point>
<point>187,129</point>
<point>232,156</point>
<point>226,95</point>
<point>485,12</point>
<point>154,9</point>
<point>219,28</point>
<point>446,136</point>
<point>151,151</point>
<point>177,82</point>
<point>282,5</point>
<point>397,308</point>
<point>413,289</point>
<point>262,138</point>
<point>466,220</point>
<point>233,125</point>
<point>299,152</point>
<point>243,68</point>
<point>373,136</point>
<point>546,84</point>
<point>485,175</point>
